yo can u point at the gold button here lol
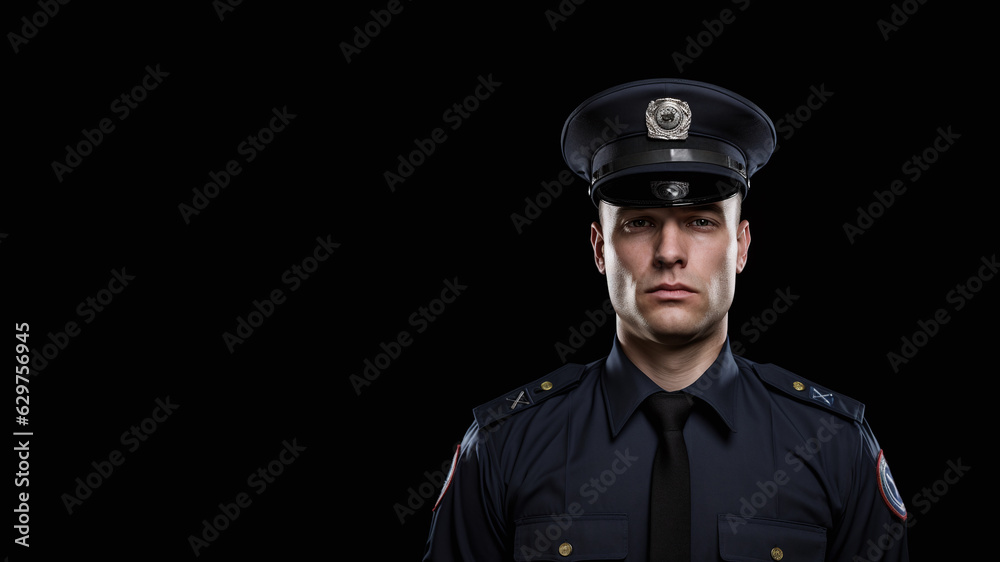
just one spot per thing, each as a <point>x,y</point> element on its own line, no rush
<point>546,385</point>
<point>565,549</point>
<point>798,386</point>
<point>776,553</point>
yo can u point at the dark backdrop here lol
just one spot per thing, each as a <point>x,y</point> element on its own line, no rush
<point>249,345</point>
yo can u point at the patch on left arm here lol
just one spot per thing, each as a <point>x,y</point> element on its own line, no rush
<point>447,481</point>
<point>887,487</point>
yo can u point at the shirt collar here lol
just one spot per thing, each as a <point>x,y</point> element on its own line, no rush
<point>625,386</point>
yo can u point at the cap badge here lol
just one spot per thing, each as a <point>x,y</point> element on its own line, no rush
<point>668,119</point>
<point>669,190</point>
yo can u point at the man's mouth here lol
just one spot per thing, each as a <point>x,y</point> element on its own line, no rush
<point>671,291</point>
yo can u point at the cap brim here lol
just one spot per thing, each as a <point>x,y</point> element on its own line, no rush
<point>680,184</point>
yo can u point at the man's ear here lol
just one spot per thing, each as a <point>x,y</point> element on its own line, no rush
<point>597,241</point>
<point>743,245</point>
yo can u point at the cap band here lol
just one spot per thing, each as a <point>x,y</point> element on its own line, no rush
<point>670,155</point>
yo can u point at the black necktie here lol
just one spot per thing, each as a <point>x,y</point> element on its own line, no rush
<point>670,493</point>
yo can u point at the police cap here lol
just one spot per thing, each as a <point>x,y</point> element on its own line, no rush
<point>667,142</point>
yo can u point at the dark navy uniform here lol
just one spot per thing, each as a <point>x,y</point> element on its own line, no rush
<point>781,468</point>
<point>560,469</point>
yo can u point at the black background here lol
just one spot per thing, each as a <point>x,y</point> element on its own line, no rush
<point>370,450</point>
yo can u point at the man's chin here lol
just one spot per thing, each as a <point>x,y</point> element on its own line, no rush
<point>676,329</point>
<point>675,338</point>
<point>670,333</point>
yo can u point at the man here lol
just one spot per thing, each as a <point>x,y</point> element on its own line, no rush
<point>671,447</point>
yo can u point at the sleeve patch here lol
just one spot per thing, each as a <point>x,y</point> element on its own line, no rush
<point>887,487</point>
<point>447,481</point>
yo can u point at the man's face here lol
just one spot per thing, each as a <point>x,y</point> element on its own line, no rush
<point>671,270</point>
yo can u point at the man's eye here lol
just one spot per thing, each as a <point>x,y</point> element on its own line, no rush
<point>701,222</point>
<point>637,223</point>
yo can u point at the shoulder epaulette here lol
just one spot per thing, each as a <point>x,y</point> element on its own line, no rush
<point>809,392</point>
<point>529,395</point>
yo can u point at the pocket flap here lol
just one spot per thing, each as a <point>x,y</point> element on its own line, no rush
<point>599,536</point>
<point>767,540</point>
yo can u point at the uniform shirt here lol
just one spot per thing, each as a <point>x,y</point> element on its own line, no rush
<point>560,469</point>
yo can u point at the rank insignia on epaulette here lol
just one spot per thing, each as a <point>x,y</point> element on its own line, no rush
<point>524,397</point>
<point>518,399</point>
<point>820,396</point>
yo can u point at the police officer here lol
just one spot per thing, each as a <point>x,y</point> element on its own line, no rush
<point>671,447</point>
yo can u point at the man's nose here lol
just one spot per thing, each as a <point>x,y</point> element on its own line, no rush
<point>670,246</point>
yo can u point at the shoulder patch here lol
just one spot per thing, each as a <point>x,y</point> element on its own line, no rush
<point>526,396</point>
<point>451,474</point>
<point>809,392</point>
<point>887,487</point>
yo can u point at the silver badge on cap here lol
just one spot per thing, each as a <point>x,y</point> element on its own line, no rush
<point>668,119</point>
<point>669,190</point>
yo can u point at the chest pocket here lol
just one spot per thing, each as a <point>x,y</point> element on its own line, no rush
<point>768,540</point>
<point>599,536</point>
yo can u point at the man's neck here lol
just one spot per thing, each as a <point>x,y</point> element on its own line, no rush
<point>672,366</point>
